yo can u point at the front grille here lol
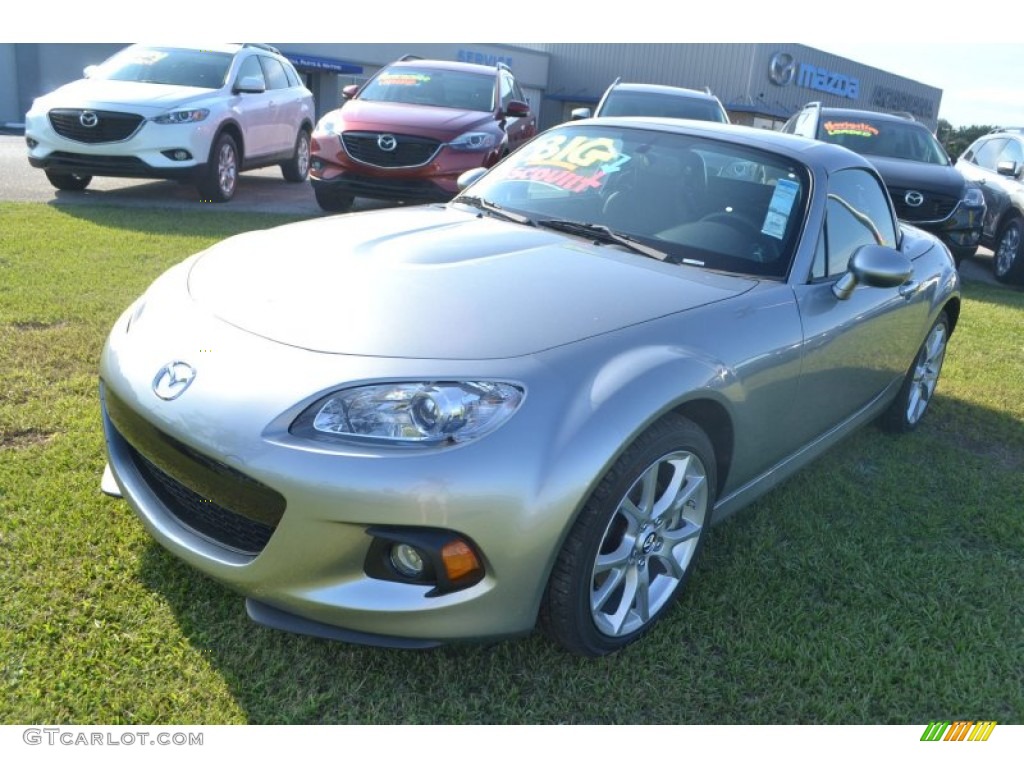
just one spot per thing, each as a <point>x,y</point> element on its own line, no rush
<point>934,208</point>
<point>216,501</point>
<point>409,151</point>
<point>108,126</point>
<point>204,516</point>
<point>110,163</point>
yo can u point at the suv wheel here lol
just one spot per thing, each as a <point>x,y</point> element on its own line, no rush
<point>334,201</point>
<point>297,169</point>
<point>221,177</point>
<point>69,182</point>
<point>1007,261</point>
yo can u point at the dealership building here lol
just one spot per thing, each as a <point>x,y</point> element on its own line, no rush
<point>760,84</point>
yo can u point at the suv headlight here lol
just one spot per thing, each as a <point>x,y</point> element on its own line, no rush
<point>424,413</point>
<point>329,123</point>
<point>974,197</point>
<point>473,141</point>
<point>182,116</point>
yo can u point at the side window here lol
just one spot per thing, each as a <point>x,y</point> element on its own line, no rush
<point>293,77</point>
<point>276,77</point>
<point>803,123</point>
<point>251,68</point>
<point>857,214</point>
<point>1012,153</point>
<point>506,84</point>
<point>987,155</point>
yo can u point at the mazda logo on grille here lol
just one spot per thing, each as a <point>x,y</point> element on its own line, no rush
<point>173,379</point>
<point>913,198</point>
<point>88,119</point>
<point>387,142</point>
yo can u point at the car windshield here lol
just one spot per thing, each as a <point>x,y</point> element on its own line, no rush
<point>433,87</point>
<point>884,138</point>
<point>720,205</point>
<point>167,66</point>
<point>620,103</point>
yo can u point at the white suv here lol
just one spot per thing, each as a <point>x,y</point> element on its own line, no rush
<point>198,115</point>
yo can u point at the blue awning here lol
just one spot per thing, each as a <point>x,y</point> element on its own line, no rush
<point>323,64</point>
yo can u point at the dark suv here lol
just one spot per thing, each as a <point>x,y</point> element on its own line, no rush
<point>410,131</point>
<point>646,100</point>
<point>996,163</point>
<point>926,190</point>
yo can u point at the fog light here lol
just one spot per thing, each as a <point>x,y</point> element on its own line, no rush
<point>407,560</point>
<point>32,143</point>
<point>177,154</point>
<point>459,560</point>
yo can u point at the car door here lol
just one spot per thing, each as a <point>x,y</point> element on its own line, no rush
<point>283,107</point>
<point>853,348</point>
<point>255,110</point>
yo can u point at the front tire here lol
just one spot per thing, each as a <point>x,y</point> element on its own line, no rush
<point>68,182</point>
<point>631,551</point>
<point>297,168</point>
<point>907,410</point>
<point>334,201</point>
<point>221,179</point>
<point>1007,260</point>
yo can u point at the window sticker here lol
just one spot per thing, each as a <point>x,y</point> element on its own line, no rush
<point>575,164</point>
<point>844,128</point>
<point>403,78</point>
<point>779,209</point>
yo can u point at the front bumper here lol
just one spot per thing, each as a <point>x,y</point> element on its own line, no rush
<point>435,181</point>
<point>150,152</point>
<point>307,560</point>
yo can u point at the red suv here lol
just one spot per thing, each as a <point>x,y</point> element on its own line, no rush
<point>410,131</point>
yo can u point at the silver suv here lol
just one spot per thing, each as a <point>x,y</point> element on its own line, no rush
<point>647,100</point>
<point>198,115</point>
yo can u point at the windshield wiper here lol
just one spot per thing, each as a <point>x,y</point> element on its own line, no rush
<point>497,210</point>
<point>602,234</point>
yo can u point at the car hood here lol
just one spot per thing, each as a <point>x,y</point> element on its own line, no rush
<point>925,177</point>
<point>437,122</point>
<point>435,282</point>
<point>146,98</point>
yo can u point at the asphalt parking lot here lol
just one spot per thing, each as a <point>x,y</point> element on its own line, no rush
<point>260,191</point>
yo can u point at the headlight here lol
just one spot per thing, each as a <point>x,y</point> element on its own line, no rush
<point>973,197</point>
<point>182,116</point>
<point>412,413</point>
<point>474,141</point>
<point>329,123</point>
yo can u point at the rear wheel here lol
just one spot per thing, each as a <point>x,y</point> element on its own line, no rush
<point>69,182</point>
<point>221,179</point>
<point>333,200</point>
<point>634,545</point>
<point>1007,261</point>
<point>297,169</point>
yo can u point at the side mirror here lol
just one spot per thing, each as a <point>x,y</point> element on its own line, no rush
<point>580,113</point>
<point>466,178</point>
<point>89,71</point>
<point>1008,168</point>
<point>517,109</point>
<point>250,84</point>
<point>876,266</point>
<point>349,91</point>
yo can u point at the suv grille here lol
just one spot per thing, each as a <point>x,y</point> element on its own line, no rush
<point>934,208</point>
<point>409,150</point>
<point>214,500</point>
<point>109,126</point>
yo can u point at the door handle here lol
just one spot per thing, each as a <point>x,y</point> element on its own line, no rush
<point>909,288</point>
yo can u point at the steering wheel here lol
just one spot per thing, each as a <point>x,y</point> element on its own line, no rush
<point>763,249</point>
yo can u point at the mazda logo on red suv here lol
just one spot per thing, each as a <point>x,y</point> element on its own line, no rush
<point>387,142</point>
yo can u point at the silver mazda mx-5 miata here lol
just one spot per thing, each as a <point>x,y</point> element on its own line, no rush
<point>436,423</point>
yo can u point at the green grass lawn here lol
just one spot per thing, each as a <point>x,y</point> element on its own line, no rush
<point>884,584</point>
